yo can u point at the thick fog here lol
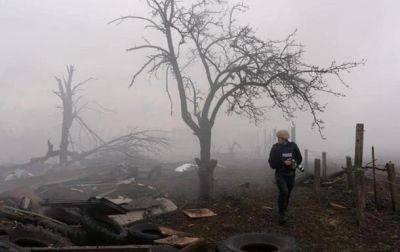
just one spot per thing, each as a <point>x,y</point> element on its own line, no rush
<point>40,37</point>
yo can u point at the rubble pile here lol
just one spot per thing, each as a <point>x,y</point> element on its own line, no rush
<point>104,208</point>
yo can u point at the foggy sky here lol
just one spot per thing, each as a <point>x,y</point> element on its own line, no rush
<point>40,37</point>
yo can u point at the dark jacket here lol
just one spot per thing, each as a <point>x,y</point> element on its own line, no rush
<point>281,152</point>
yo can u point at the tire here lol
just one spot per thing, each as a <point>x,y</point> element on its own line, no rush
<point>67,216</point>
<point>103,230</point>
<point>36,236</point>
<point>255,242</point>
<point>145,233</point>
<point>75,234</point>
<point>202,246</point>
<point>11,247</point>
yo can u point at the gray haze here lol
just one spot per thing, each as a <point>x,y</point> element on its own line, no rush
<point>40,37</point>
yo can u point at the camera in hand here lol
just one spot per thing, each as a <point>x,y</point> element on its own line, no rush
<point>296,166</point>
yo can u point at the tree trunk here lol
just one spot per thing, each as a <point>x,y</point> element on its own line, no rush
<point>206,165</point>
<point>66,125</point>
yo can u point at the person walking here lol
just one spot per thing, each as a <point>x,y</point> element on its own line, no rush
<point>284,158</point>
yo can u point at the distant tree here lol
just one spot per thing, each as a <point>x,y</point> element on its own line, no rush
<point>130,144</point>
<point>68,92</point>
<point>239,67</point>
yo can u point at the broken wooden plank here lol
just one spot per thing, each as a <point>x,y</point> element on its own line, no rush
<point>170,232</point>
<point>178,241</point>
<point>165,206</point>
<point>199,213</point>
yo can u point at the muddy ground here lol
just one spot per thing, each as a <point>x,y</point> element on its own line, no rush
<point>245,201</point>
<point>313,222</point>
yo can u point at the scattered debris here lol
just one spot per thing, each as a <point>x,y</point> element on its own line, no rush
<point>186,167</point>
<point>164,206</point>
<point>100,205</point>
<point>15,197</point>
<point>26,203</point>
<point>267,208</point>
<point>77,190</point>
<point>199,213</point>
<point>337,206</point>
<point>18,174</point>
<point>151,187</point>
<point>170,232</point>
<point>127,181</point>
<point>178,241</point>
<point>191,167</point>
<point>120,200</point>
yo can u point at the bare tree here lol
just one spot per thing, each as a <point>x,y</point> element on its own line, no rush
<point>240,68</point>
<point>68,93</point>
<point>130,144</point>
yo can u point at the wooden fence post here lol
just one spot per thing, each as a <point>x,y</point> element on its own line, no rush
<point>358,154</point>
<point>306,160</point>
<point>392,184</point>
<point>324,165</point>
<point>317,176</point>
<point>359,174</point>
<point>374,174</point>
<point>350,174</point>
<point>359,195</point>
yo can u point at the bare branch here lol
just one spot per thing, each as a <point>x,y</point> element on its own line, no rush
<point>148,47</point>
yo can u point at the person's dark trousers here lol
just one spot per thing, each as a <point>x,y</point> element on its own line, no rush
<point>285,185</point>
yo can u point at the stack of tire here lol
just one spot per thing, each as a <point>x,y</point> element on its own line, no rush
<point>27,235</point>
<point>81,227</point>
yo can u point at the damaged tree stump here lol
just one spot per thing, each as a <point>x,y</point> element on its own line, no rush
<point>392,184</point>
<point>317,177</point>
